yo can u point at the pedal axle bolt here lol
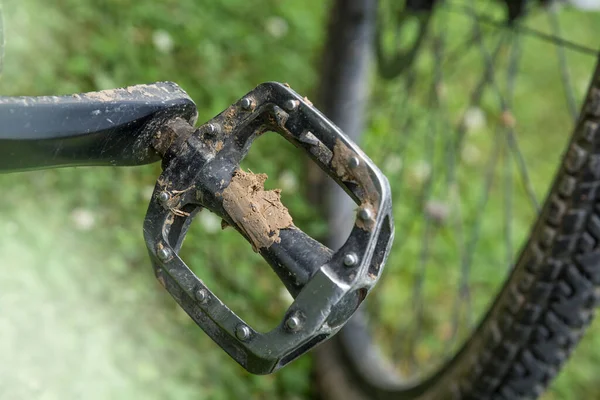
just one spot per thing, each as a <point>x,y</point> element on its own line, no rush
<point>291,105</point>
<point>293,323</point>
<point>365,214</point>
<point>247,104</point>
<point>163,197</point>
<point>354,162</point>
<point>164,254</point>
<point>350,260</point>
<point>242,332</point>
<point>201,296</point>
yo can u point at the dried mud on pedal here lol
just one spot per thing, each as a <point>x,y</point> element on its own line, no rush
<point>259,213</point>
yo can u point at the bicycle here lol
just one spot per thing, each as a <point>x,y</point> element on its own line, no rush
<point>360,376</point>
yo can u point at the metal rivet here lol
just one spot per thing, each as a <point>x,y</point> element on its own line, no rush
<point>293,323</point>
<point>247,104</point>
<point>365,214</point>
<point>242,332</point>
<point>201,296</point>
<point>164,254</point>
<point>350,259</point>
<point>354,162</point>
<point>163,197</point>
<point>213,129</point>
<point>291,105</point>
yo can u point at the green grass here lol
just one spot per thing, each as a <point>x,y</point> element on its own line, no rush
<point>82,313</point>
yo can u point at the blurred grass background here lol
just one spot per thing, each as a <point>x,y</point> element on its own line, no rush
<point>82,316</point>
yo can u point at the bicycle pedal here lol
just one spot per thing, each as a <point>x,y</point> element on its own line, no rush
<point>201,170</point>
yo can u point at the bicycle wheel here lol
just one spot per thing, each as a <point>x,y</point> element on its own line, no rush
<point>485,96</point>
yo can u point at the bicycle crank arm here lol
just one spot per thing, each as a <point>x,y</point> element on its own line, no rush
<point>111,127</point>
<point>201,170</point>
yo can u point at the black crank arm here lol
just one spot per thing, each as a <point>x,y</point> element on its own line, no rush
<point>111,127</point>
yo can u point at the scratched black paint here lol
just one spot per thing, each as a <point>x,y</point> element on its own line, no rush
<point>104,128</point>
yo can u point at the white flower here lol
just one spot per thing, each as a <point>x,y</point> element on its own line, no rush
<point>162,41</point>
<point>474,119</point>
<point>288,181</point>
<point>420,171</point>
<point>438,211</point>
<point>209,221</point>
<point>83,219</point>
<point>393,164</point>
<point>276,27</point>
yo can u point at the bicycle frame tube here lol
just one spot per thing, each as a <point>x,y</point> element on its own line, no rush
<point>344,91</point>
<point>112,127</point>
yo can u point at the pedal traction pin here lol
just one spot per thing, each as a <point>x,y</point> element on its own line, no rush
<point>242,332</point>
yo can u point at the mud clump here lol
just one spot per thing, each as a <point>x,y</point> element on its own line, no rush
<point>259,213</point>
<point>359,175</point>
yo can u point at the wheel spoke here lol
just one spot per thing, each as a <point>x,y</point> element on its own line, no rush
<point>404,129</point>
<point>462,49</point>
<point>564,68</point>
<point>475,100</point>
<point>511,137</point>
<point>479,17</point>
<point>508,206</point>
<point>405,135</point>
<point>417,296</point>
<point>477,94</point>
<point>513,67</point>
<point>464,295</point>
<point>429,228</point>
<point>418,301</point>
